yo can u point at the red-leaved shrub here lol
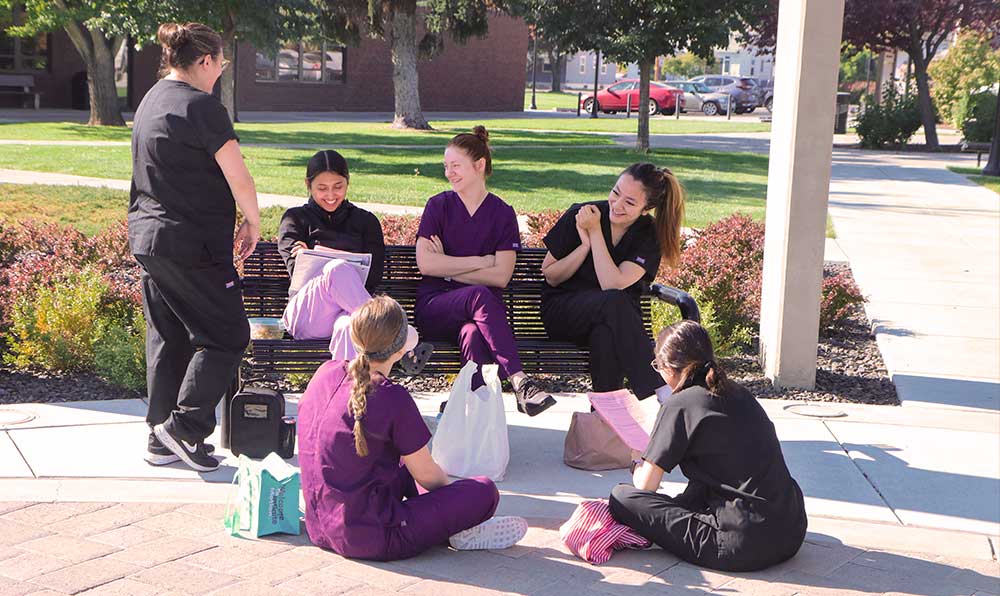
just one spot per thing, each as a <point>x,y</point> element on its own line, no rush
<point>400,229</point>
<point>724,261</point>
<point>539,225</point>
<point>840,296</point>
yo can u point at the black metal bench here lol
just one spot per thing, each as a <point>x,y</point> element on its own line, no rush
<point>22,85</point>
<point>265,294</point>
<point>978,148</point>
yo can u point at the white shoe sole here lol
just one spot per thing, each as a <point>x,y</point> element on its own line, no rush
<point>160,460</point>
<point>169,442</point>
<point>493,534</point>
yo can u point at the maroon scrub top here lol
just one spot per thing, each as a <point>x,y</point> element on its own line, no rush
<point>491,229</point>
<point>352,500</point>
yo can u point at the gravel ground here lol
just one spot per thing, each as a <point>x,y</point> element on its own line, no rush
<point>850,369</point>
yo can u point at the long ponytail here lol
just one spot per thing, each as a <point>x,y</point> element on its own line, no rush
<point>375,332</point>
<point>360,371</point>
<point>665,195</point>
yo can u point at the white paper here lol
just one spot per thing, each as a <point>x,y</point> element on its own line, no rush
<point>309,264</point>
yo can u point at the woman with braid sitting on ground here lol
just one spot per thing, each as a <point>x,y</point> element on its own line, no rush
<point>371,488</point>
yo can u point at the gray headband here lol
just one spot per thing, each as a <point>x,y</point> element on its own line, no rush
<point>395,346</point>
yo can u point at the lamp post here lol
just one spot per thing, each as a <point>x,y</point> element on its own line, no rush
<point>534,67</point>
<point>993,165</point>
<point>593,104</point>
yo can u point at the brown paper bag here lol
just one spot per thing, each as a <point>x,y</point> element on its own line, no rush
<point>592,445</point>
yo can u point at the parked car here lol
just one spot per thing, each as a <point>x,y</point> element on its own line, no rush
<point>699,97</point>
<point>765,92</point>
<point>742,89</point>
<point>625,93</point>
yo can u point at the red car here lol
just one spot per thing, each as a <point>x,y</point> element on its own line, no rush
<point>662,98</point>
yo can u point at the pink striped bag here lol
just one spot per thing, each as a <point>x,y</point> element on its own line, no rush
<point>593,535</point>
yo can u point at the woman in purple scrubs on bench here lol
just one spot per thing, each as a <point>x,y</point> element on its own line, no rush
<point>467,244</point>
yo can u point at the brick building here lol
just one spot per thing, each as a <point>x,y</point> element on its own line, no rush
<point>483,74</point>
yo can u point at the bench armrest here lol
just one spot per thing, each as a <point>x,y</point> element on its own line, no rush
<point>679,298</point>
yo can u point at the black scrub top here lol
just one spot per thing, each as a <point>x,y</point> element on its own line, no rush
<point>728,449</point>
<point>180,205</point>
<point>638,245</point>
<point>349,228</point>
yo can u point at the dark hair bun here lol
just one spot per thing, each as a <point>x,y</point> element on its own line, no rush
<point>480,131</point>
<point>172,35</point>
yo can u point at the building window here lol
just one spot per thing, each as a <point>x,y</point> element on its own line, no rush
<point>546,66</point>
<point>20,53</point>
<point>725,65</point>
<point>583,63</point>
<point>301,62</point>
<point>604,68</point>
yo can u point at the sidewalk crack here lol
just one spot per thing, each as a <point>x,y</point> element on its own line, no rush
<point>19,452</point>
<point>867,478</point>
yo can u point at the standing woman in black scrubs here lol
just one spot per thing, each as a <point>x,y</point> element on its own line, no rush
<point>741,510</point>
<point>600,256</point>
<point>187,177</point>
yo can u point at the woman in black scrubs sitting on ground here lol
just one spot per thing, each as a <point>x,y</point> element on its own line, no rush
<point>741,510</point>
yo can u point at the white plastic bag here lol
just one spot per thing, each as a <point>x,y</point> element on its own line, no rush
<point>471,438</point>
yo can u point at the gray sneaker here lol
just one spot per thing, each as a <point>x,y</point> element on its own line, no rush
<point>493,534</point>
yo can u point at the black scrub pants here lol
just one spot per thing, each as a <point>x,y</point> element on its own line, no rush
<point>609,323</point>
<point>694,536</point>
<point>196,332</point>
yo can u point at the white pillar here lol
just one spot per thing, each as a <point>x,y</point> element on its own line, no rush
<point>798,183</point>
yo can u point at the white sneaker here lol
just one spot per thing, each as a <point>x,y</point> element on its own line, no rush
<point>493,534</point>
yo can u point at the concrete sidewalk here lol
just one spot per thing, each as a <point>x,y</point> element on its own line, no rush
<point>82,511</point>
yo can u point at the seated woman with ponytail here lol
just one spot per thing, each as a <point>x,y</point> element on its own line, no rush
<point>600,255</point>
<point>741,510</point>
<point>371,488</point>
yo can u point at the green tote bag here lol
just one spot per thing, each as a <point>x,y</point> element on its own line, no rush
<point>267,498</point>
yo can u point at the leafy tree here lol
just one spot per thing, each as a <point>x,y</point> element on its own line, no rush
<point>686,65</point>
<point>396,21</point>
<point>97,29</point>
<point>918,27</point>
<point>639,31</point>
<point>969,65</point>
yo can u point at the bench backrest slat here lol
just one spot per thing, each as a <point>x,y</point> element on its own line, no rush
<point>11,80</point>
<point>265,286</point>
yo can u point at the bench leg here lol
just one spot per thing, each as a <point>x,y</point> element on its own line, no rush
<point>37,101</point>
<point>227,401</point>
<point>979,158</point>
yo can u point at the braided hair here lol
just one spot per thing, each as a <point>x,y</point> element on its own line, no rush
<point>378,330</point>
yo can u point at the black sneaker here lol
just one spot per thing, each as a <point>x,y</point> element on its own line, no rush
<point>193,455</point>
<point>158,455</point>
<point>415,360</point>
<point>531,400</point>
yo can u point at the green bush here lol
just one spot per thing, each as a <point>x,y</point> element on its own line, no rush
<point>726,343</point>
<point>980,110</point>
<point>54,327</point>
<point>892,123</point>
<point>120,351</point>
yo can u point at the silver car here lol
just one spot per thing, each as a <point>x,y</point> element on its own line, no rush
<point>742,89</point>
<point>700,98</point>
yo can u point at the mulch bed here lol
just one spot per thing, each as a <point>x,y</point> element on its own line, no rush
<point>849,369</point>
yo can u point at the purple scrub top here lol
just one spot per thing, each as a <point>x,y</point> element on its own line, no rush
<point>352,500</point>
<point>493,228</point>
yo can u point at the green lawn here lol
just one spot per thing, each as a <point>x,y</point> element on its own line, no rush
<point>975,174</point>
<point>90,210</point>
<point>507,131</point>
<point>529,179</point>
<point>548,100</point>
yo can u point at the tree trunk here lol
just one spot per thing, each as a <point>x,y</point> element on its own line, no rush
<point>227,80</point>
<point>642,136</point>
<point>924,99</point>
<point>405,80</point>
<point>555,58</point>
<point>104,108</point>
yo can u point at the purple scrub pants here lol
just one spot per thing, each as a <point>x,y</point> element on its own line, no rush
<point>322,308</point>
<point>478,318</point>
<point>434,516</point>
